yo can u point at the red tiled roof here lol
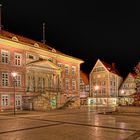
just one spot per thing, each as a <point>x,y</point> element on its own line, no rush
<point>110,68</point>
<point>84,76</point>
<point>28,41</point>
<point>133,75</point>
<point>23,39</point>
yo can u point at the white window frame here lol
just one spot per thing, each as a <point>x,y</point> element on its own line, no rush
<point>4,100</point>
<point>5,56</point>
<point>18,100</point>
<point>73,70</point>
<point>67,69</point>
<point>17,59</point>
<point>18,80</point>
<point>5,79</point>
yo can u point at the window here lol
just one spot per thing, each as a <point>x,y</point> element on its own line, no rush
<point>5,79</point>
<point>66,69</point>
<point>111,92</point>
<point>98,69</point>
<point>67,84</point>
<point>18,100</point>
<point>4,100</point>
<point>18,81</point>
<point>73,85</point>
<point>30,56</point>
<point>17,59</point>
<point>73,70</point>
<point>103,91</point>
<point>103,83</point>
<point>114,83</point>
<point>50,59</point>
<point>59,65</point>
<point>5,56</point>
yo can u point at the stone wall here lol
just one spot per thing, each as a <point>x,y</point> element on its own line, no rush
<point>41,103</point>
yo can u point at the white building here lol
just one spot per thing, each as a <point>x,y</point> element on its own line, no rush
<point>127,88</point>
<point>107,79</point>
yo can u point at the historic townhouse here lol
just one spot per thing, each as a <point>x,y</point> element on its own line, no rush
<point>127,88</point>
<point>104,84</point>
<point>84,88</point>
<point>45,78</point>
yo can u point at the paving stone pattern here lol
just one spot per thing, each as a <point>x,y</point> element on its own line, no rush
<point>70,124</point>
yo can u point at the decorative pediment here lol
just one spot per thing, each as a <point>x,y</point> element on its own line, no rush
<point>15,38</point>
<point>43,64</point>
<point>36,45</point>
<point>53,50</point>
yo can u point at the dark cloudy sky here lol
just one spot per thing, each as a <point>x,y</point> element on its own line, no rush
<point>87,29</point>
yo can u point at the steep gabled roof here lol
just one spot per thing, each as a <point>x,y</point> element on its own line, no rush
<point>110,68</point>
<point>84,77</point>
<point>130,74</point>
<point>133,75</point>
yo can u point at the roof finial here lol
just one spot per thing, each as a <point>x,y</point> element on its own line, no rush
<point>43,41</point>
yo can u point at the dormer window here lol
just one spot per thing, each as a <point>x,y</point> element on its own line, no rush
<point>14,38</point>
<point>36,45</point>
<point>50,59</point>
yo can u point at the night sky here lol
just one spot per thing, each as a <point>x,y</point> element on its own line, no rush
<point>86,29</point>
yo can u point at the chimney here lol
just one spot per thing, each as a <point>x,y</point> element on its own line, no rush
<point>113,65</point>
<point>0,17</point>
<point>43,41</point>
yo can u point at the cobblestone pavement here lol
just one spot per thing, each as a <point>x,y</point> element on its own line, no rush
<point>70,124</point>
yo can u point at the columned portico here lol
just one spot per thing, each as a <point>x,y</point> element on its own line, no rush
<point>42,84</point>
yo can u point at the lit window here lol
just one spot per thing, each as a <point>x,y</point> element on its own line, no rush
<point>18,100</point>
<point>5,56</point>
<point>18,80</point>
<point>4,100</point>
<point>73,85</point>
<point>67,69</point>
<point>73,70</point>
<point>17,59</point>
<point>5,79</point>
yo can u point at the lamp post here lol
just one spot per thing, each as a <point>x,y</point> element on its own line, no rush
<point>14,74</point>
<point>96,89</point>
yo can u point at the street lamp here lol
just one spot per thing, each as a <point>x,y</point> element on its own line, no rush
<point>14,74</point>
<point>96,89</point>
<point>122,92</point>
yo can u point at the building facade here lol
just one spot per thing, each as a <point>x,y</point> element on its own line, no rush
<point>45,77</point>
<point>104,84</point>
<point>127,88</point>
<point>84,88</point>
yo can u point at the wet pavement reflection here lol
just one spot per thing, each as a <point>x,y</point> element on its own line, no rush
<point>70,124</point>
